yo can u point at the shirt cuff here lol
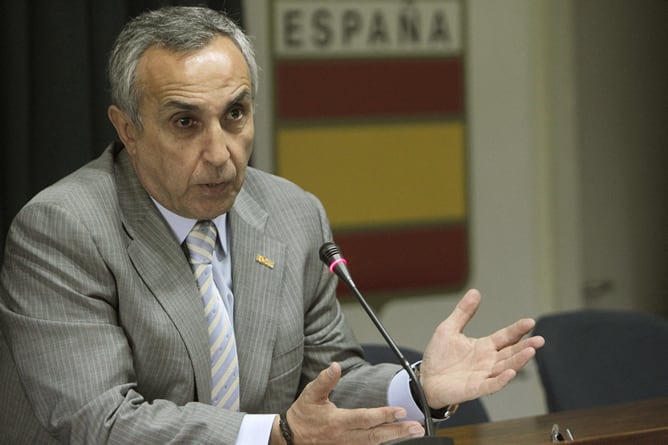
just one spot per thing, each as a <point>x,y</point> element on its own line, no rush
<point>255,428</point>
<point>399,394</point>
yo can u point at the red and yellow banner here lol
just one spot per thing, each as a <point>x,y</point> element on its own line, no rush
<point>370,118</point>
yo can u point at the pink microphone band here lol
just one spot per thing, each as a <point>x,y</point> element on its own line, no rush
<point>334,263</point>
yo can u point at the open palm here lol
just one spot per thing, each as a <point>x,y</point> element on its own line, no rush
<point>457,368</point>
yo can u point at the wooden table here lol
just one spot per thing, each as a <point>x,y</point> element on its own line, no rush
<point>638,423</point>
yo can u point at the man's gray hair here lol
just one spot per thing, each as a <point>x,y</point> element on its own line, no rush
<point>177,28</point>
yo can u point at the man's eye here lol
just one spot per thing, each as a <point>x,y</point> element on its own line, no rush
<point>185,122</point>
<point>235,114</point>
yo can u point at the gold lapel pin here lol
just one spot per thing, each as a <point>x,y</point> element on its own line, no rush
<point>264,261</point>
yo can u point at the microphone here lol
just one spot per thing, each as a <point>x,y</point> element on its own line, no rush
<point>331,255</point>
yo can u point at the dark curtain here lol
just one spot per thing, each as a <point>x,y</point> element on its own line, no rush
<point>55,91</point>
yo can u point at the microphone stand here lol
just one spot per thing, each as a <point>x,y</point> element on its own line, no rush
<point>331,256</point>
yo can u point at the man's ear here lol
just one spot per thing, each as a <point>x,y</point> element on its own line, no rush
<point>125,128</point>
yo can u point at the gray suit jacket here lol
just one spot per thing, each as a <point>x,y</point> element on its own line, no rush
<point>103,335</point>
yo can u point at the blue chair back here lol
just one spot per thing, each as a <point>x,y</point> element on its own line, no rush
<point>601,357</point>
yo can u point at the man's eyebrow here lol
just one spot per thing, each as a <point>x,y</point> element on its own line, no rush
<point>180,105</point>
<point>243,96</point>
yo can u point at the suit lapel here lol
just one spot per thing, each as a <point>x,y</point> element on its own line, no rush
<point>162,265</point>
<point>258,266</point>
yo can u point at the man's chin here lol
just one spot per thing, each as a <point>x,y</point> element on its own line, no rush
<point>210,209</point>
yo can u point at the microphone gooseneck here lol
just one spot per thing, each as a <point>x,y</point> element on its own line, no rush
<point>331,255</point>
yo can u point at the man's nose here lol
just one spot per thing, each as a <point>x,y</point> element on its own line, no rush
<point>217,151</point>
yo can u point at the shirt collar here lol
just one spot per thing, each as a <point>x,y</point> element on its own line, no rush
<point>182,226</point>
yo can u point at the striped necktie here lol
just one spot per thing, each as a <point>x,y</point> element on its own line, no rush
<point>222,345</point>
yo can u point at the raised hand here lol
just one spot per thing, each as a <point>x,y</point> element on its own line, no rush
<point>457,368</point>
<point>314,419</point>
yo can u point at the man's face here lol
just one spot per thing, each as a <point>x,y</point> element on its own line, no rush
<point>197,114</point>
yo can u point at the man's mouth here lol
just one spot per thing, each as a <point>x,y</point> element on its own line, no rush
<point>214,187</point>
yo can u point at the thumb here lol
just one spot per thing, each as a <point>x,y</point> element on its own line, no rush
<point>318,390</point>
<point>464,311</point>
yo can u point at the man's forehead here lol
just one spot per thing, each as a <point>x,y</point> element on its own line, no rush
<point>158,58</point>
<point>162,70</point>
<point>159,50</point>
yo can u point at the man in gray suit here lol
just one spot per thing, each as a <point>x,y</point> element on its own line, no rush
<point>104,336</point>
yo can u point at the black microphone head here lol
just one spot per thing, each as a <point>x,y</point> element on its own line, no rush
<point>329,252</point>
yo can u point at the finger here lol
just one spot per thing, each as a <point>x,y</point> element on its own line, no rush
<point>515,362</point>
<point>319,389</point>
<point>536,341</point>
<point>366,418</point>
<point>512,334</point>
<point>495,384</point>
<point>531,342</point>
<point>464,311</point>
<point>387,432</point>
